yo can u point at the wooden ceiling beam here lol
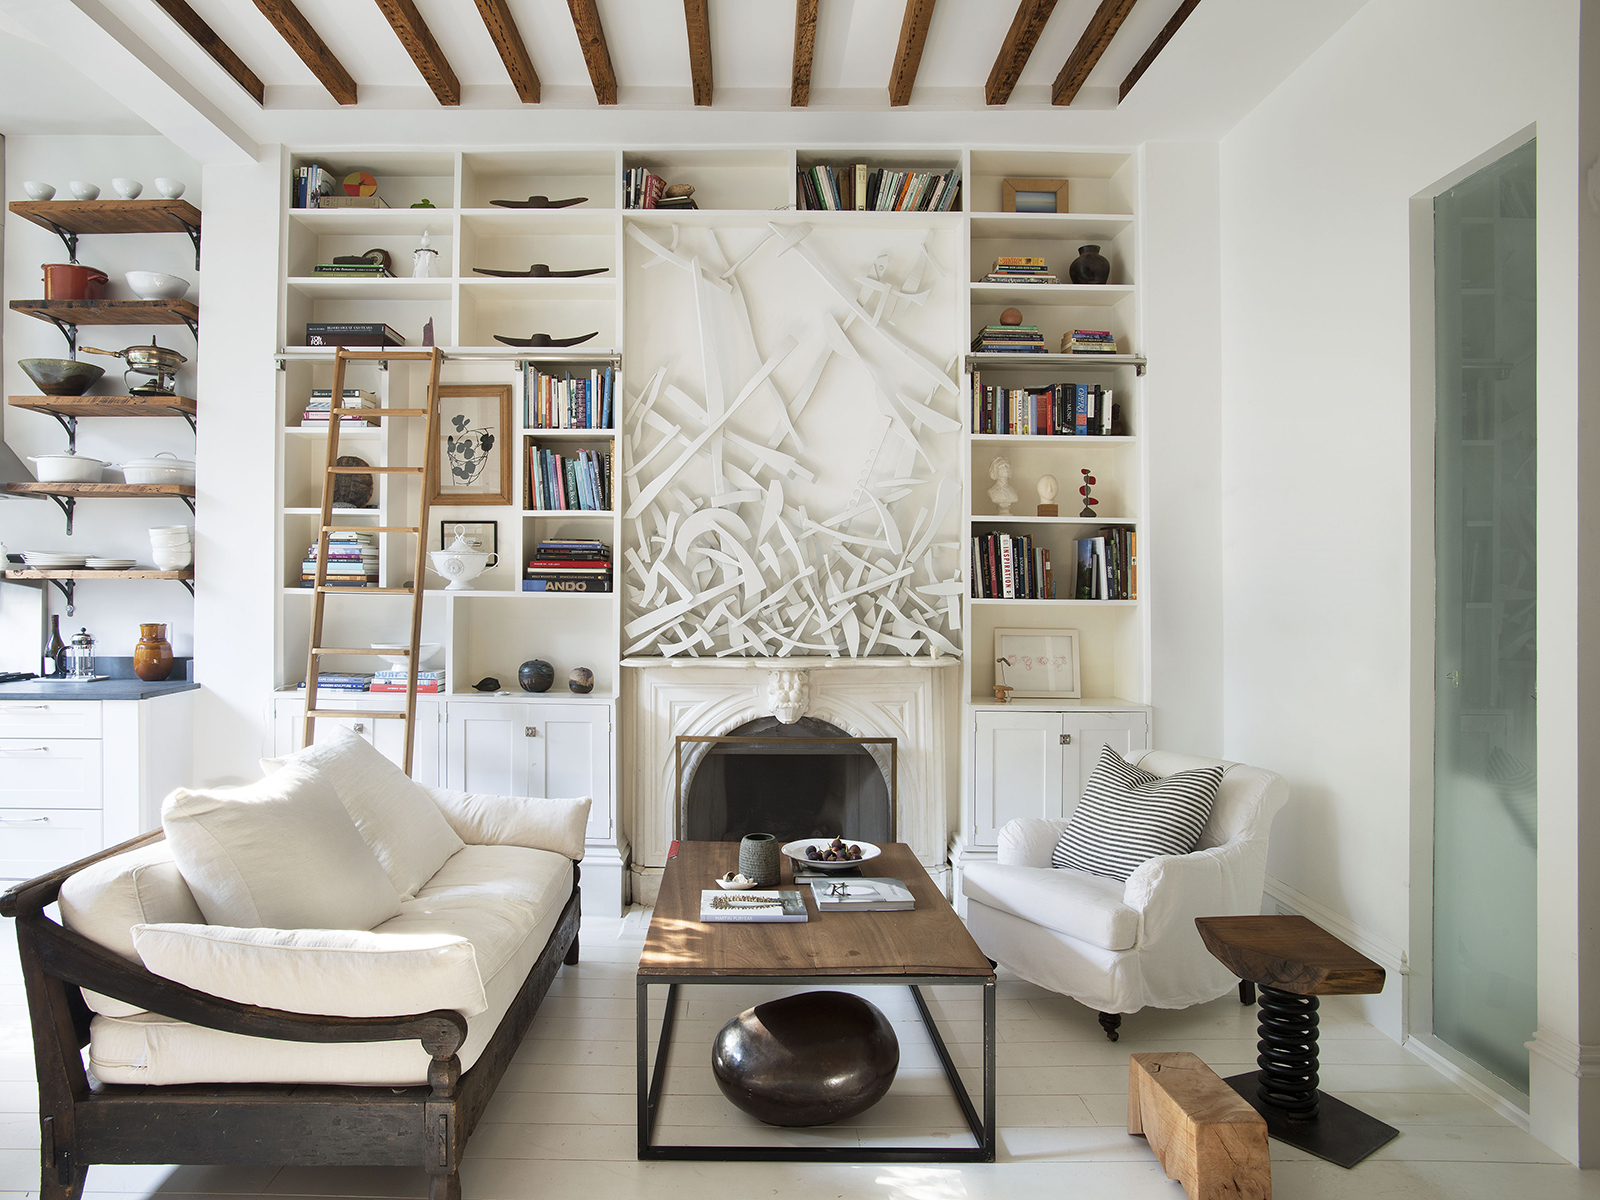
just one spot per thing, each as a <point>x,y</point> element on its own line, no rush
<point>313,51</point>
<point>805,47</point>
<point>1156,47</point>
<point>1020,40</point>
<point>513,50</point>
<point>592,40</point>
<point>206,38</point>
<point>913,36</point>
<point>698,19</point>
<point>1103,26</point>
<point>419,43</point>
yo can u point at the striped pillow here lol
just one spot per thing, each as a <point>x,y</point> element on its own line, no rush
<point>1128,816</point>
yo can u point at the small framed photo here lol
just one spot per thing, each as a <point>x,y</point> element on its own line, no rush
<point>472,458</point>
<point>1038,663</point>
<point>1033,195</point>
<point>484,535</point>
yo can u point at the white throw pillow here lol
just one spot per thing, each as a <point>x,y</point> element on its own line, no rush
<point>533,822</point>
<point>1128,816</point>
<point>281,853</point>
<point>330,972</point>
<point>398,819</point>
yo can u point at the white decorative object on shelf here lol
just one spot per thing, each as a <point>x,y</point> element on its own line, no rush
<point>1002,493</point>
<point>424,258</point>
<point>128,189</point>
<point>37,190</point>
<point>1048,489</point>
<point>84,191</point>
<point>170,189</point>
<point>461,562</point>
<point>787,689</point>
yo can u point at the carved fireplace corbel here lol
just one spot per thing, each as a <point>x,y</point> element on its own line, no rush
<point>788,693</point>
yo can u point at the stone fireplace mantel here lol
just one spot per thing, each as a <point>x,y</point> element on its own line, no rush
<point>911,700</point>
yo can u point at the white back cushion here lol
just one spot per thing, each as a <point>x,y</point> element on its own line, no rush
<point>281,853</point>
<point>395,815</point>
<point>1246,802</point>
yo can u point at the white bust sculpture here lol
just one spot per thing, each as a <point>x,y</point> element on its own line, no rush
<point>1048,489</point>
<point>1002,493</point>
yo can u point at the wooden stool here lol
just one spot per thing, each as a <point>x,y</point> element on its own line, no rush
<point>1293,962</point>
<point>1205,1135</point>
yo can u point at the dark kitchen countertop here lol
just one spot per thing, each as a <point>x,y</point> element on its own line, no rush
<point>105,689</point>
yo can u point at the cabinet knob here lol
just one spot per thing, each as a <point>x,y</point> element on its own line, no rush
<point>359,727</point>
<point>530,731</point>
<point>1066,739</point>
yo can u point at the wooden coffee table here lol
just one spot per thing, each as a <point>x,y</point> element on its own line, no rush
<point>928,945</point>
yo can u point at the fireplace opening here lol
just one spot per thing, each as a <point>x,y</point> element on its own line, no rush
<point>808,779</point>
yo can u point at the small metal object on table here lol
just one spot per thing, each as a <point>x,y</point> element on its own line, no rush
<point>925,946</point>
<point>1293,962</point>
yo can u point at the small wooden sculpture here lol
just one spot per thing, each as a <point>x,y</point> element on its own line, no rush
<point>1088,501</point>
<point>1002,693</point>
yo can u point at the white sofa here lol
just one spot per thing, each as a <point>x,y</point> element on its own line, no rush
<point>1118,947</point>
<point>242,955</point>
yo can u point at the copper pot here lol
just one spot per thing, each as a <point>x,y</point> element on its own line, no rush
<point>69,281</point>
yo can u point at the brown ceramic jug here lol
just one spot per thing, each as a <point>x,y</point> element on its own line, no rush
<point>152,657</point>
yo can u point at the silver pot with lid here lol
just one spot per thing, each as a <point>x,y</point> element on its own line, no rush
<point>152,360</point>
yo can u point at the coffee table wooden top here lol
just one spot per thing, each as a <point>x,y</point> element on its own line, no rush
<point>928,940</point>
<point>1291,954</point>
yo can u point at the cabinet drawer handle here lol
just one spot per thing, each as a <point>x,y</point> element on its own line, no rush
<point>24,820</point>
<point>23,707</point>
<point>1066,739</point>
<point>530,731</point>
<point>25,750</point>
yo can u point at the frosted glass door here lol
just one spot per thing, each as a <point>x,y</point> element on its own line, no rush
<point>1485,782</point>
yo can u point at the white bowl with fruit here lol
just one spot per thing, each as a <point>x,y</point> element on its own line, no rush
<point>821,854</point>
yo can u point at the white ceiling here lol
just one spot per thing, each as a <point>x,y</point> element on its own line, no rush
<point>32,100</point>
<point>1228,55</point>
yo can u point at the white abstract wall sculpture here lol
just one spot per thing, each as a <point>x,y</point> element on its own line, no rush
<point>793,455</point>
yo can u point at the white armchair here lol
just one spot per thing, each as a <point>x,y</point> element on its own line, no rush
<point>1118,947</point>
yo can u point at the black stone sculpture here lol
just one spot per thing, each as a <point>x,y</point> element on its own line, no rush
<point>540,271</point>
<point>539,202</point>
<point>536,675</point>
<point>544,340</point>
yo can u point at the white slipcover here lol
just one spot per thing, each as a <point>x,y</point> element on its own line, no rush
<point>1114,947</point>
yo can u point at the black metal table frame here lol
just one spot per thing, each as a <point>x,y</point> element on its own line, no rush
<point>650,1083</point>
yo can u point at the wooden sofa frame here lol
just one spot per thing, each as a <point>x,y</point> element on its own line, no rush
<point>83,1122</point>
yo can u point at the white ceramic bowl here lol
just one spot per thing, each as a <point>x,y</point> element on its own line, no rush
<point>84,191</point>
<point>155,285</point>
<point>66,468</point>
<point>797,851</point>
<point>171,560</point>
<point>37,190</point>
<point>162,468</point>
<point>183,529</point>
<point>128,189</point>
<point>427,654</point>
<point>171,189</point>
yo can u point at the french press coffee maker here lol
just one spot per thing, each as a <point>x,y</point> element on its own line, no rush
<point>80,656</point>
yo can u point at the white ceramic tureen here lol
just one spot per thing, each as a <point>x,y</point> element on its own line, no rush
<point>461,562</point>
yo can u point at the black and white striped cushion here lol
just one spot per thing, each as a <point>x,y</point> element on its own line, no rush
<point>1128,816</point>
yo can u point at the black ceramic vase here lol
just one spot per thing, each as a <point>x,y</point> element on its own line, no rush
<point>536,675</point>
<point>1090,266</point>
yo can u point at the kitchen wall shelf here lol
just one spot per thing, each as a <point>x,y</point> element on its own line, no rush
<point>67,581</point>
<point>66,495</point>
<point>67,315</point>
<point>68,409</point>
<point>69,218</point>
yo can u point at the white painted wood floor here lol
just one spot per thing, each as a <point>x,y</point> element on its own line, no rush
<point>562,1122</point>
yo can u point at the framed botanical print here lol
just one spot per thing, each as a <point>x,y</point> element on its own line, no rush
<point>1038,663</point>
<point>472,456</point>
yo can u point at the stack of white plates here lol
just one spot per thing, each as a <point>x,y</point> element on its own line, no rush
<point>49,560</point>
<point>109,564</point>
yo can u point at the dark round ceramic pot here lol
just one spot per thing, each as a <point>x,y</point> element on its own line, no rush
<point>536,675</point>
<point>581,680</point>
<point>810,1059</point>
<point>1090,266</point>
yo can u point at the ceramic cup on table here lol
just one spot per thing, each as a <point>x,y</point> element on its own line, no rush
<point>37,190</point>
<point>84,191</point>
<point>170,189</point>
<point>128,189</point>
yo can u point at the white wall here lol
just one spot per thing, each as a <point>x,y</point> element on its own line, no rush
<point>111,610</point>
<point>1318,455</point>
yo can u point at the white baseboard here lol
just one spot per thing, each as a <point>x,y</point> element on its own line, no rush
<point>1437,1056</point>
<point>1376,947</point>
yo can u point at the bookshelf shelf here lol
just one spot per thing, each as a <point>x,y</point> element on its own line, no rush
<point>1104,227</point>
<point>342,221</point>
<point>365,288</point>
<point>986,519</point>
<point>1063,440</point>
<point>581,513</point>
<point>993,602</point>
<point>1054,362</point>
<point>1056,295</point>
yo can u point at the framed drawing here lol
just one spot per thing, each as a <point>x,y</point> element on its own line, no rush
<point>485,535</point>
<point>1033,195</point>
<point>472,457</point>
<point>1038,663</point>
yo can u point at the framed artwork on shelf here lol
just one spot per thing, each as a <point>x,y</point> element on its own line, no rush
<point>472,458</point>
<point>483,534</point>
<point>1039,664</point>
<point>1033,195</point>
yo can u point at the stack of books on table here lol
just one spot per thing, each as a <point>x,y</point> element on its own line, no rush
<point>578,480</point>
<point>352,561</point>
<point>862,895</point>
<point>319,411</point>
<point>569,565</point>
<point>565,402</point>
<point>1088,341</point>
<point>1019,269</point>
<point>395,681</point>
<point>337,681</point>
<point>1009,339</point>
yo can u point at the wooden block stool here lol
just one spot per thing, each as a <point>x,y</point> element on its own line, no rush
<point>1204,1133</point>
<point>1293,962</point>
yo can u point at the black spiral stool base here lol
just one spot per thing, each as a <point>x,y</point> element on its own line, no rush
<point>1284,1091</point>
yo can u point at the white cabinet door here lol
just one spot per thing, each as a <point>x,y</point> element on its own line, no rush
<point>1017,765</point>
<point>487,749</point>
<point>1124,732</point>
<point>577,759</point>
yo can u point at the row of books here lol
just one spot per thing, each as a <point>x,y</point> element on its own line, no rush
<point>318,411</point>
<point>569,565</point>
<point>352,561</point>
<point>568,480</point>
<point>1108,566</point>
<point>864,189</point>
<point>1008,339</point>
<point>356,270</point>
<point>1009,566</point>
<point>643,188</point>
<point>378,681</point>
<point>1019,269</point>
<point>1059,409</point>
<point>361,333</point>
<point>310,184</point>
<point>568,402</point>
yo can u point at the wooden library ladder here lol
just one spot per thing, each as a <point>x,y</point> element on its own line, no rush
<point>325,526</point>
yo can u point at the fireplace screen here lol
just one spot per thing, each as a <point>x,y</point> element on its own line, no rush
<point>808,779</point>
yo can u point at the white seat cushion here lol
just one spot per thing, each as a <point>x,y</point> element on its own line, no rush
<point>105,900</point>
<point>1084,906</point>
<point>508,927</point>
<point>281,853</point>
<point>398,819</point>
